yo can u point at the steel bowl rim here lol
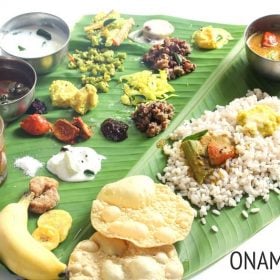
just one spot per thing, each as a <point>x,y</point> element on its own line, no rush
<point>43,13</point>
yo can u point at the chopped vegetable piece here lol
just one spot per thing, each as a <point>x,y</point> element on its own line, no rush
<point>269,39</point>
<point>35,124</point>
<point>195,156</point>
<point>44,33</point>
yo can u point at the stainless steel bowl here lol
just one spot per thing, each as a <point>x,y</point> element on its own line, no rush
<point>47,62</point>
<point>266,67</point>
<point>20,71</point>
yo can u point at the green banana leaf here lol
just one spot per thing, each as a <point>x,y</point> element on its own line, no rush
<point>221,76</point>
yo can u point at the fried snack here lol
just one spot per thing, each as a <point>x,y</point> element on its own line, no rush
<point>48,236</point>
<point>66,132</point>
<point>143,212</point>
<point>46,194</point>
<point>110,258</point>
<point>85,131</point>
<point>58,219</point>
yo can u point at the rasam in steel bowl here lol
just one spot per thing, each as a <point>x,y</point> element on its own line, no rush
<point>39,38</point>
<point>17,87</point>
<point>268,65</point>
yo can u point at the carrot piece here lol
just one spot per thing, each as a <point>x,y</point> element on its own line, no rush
<point>65,131</point>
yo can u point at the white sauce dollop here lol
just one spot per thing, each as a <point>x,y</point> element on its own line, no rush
<point>75,164</point>
<point>154,31</point>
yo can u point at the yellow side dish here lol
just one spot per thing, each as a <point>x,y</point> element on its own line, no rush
<point>64,94</point>
<point>108,29</point>
<point>59,219</point>
<point>209,37</point>
<point>145,86</point>
<point>48,236</point>
<point>261,119</point>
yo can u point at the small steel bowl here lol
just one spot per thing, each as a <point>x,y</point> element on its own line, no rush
<point>264,66</point>
<point>19,71</point>
<point>45,62</point>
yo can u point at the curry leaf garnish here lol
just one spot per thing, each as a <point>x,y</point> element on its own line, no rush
<point>108,21</point>
<point>43,33</point>
<point>196,136</point>
<point>21,48</point>
<point>219,38</point>
<point>178,58</point>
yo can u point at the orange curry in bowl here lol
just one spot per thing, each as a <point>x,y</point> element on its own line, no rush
<point>265,44</point>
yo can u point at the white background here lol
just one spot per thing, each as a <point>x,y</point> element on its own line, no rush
<point>233,12</point>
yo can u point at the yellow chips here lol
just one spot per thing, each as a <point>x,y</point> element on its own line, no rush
<point>47,236</point>
<point>141,211</point>
<point>53,228</point>
<point>58,219</point>
<point>110,258</point>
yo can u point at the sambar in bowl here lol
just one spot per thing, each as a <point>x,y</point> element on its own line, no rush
<point>262,44</point>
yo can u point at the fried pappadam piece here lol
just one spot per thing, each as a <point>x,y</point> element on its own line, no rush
<point>58,219</point>
<point>110,258</point>
<point>48,236</point>
<point>66,132</point>
<point>138,210</point>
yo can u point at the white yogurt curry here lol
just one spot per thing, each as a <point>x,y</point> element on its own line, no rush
<point>154,31</point>
<point>75,164</point>
<point>25,41</point>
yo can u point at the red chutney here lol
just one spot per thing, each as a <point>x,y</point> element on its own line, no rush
<point>266,44</point>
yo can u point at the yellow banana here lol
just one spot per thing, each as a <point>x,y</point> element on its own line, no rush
<point>19,251</point>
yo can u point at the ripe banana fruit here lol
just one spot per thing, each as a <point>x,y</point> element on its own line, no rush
<point>19,251</point>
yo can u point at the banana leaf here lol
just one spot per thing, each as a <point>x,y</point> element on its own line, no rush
<point>221,76</point>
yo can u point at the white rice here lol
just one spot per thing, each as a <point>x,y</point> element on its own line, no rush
<point>245,214</point>
<point>253,173</point>
<point>214,228</point>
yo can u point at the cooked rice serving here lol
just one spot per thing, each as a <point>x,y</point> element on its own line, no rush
<point>253,173</point>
